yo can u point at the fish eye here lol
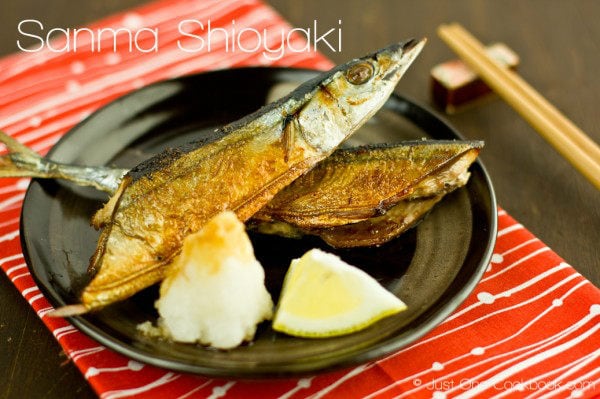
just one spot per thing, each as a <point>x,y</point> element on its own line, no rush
<point>360,73</point>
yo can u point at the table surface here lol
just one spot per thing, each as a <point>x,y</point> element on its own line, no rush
<point>559,46</point>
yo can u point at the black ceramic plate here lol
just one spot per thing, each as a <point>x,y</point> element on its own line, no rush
<point>433,267</point>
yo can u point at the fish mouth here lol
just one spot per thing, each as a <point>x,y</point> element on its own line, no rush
<point>407,47</point>
<point>411,43</point>
<point>398,57</point>
<point>411,48</point>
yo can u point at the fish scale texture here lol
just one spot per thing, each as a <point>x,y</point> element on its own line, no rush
<point>548,349</point>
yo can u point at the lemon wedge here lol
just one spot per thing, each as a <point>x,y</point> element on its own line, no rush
<point>322,296</point>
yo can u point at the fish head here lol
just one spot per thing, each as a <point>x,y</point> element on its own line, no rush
<point>353,92</point>
<point>365,83</point>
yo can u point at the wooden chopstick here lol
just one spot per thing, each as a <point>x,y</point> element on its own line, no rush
<point>570,141</point>
<point>533,96</point>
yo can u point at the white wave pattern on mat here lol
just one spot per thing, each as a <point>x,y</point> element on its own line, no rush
<point>478,351</point>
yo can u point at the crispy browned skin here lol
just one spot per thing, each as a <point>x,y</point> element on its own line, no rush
<point>357,184</point>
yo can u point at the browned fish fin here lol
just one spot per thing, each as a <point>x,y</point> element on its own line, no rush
<point>290,123</point>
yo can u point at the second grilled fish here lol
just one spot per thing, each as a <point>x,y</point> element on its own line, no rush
<point>359,183</point>
<point>368,195</point>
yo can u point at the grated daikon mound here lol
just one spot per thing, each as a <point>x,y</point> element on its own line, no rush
<point>214,292</point>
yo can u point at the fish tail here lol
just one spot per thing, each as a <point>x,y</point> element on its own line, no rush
<point>20,161</point>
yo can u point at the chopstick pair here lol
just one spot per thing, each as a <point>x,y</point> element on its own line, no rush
<point>570,141</point>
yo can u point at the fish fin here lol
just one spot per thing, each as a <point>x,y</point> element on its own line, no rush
<point>20,161</point>
<point>99,252</point>
<point>288,136</point>
<point>104,215</point>
<point>69,310</point>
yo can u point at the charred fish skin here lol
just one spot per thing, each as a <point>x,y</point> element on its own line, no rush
<point>168,197</point>
<point>355,184</point>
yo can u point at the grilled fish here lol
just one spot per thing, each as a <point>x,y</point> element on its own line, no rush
<point>164,199</point>
<point>356,184</point>
<point>369,195</point>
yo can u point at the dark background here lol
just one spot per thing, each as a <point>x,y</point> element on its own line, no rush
<point>559,45</point>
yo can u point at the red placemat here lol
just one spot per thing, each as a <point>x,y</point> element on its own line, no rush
<point>530,328</point>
